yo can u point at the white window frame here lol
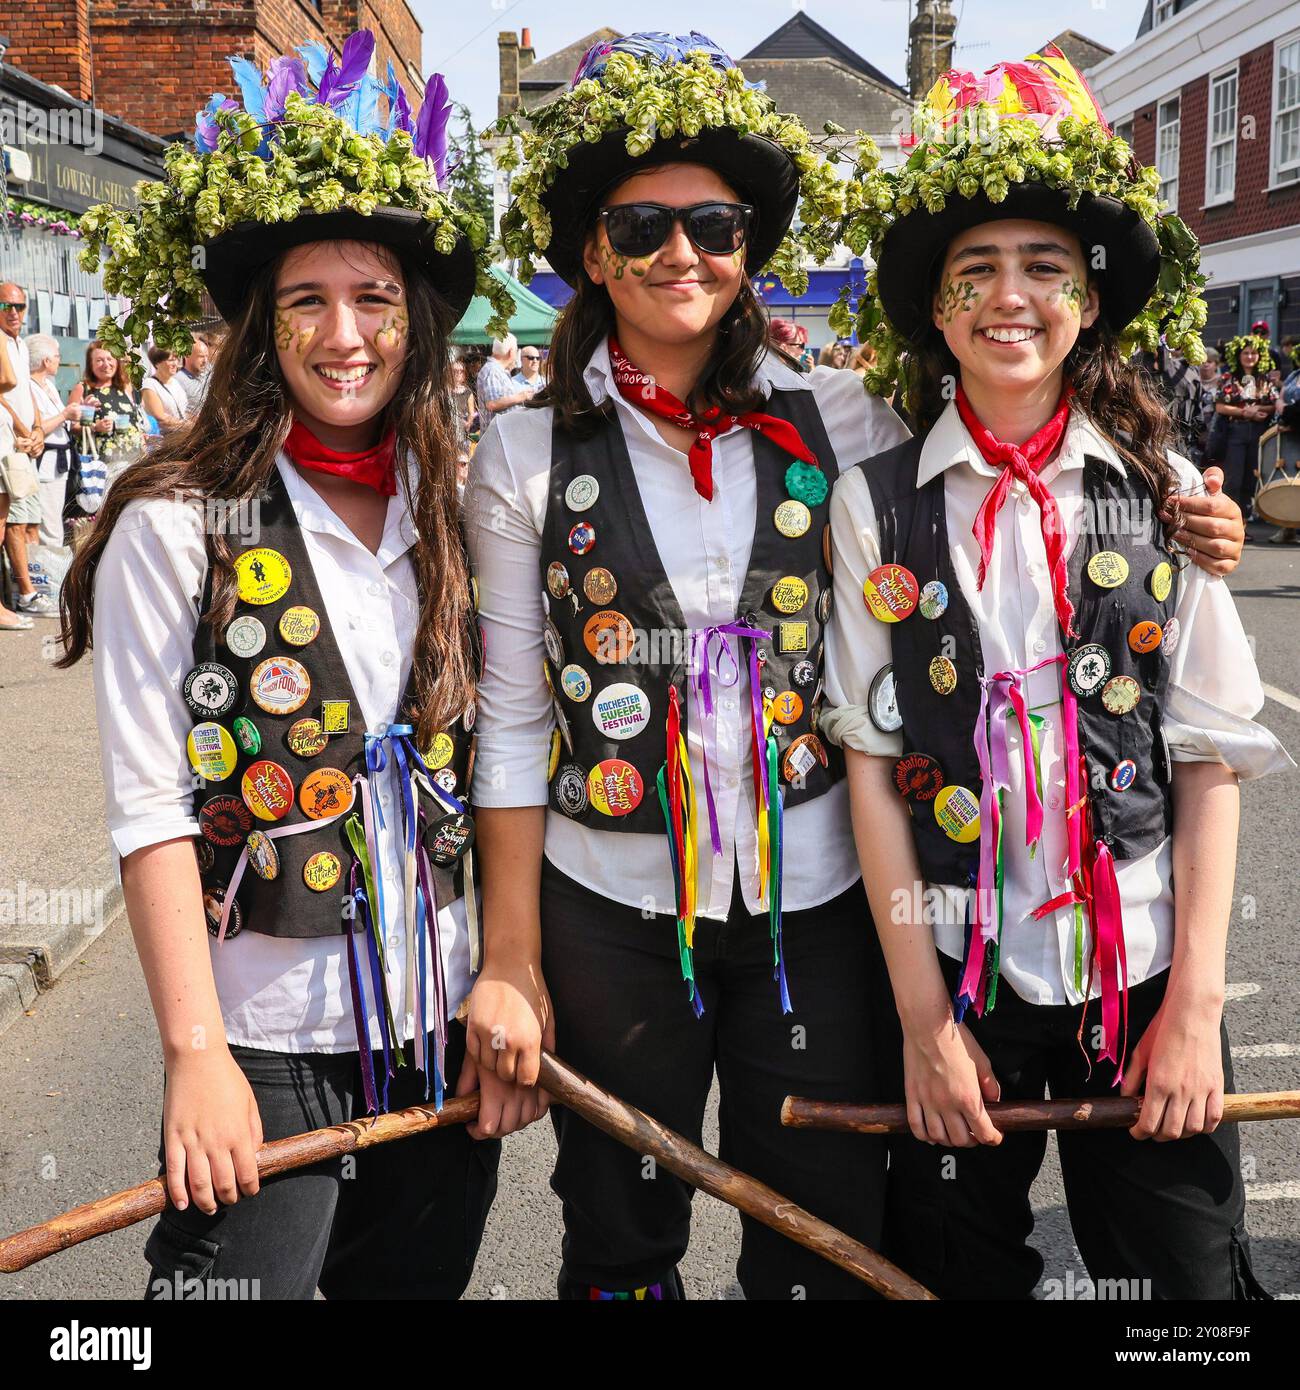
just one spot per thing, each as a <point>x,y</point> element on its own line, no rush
<point>1278,177</point>
<point>1162,11</point>
<point>1119,127</point>
<point>1176,99</point>
<point>1213,199</point>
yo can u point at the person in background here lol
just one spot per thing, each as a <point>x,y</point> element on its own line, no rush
<point>834,355</point>
<point>55,462</point>
<point>1246,398</point>
<point>495,389</point>
<point>783,335</point>
<point>9,620</point>
<point>106,385</point>
<point>1207,383</point>
<point>193,375</point>
<point>1289,419</point>
<point>863,359</point>
<point>24,512</point>
<point>530,370</point>
<point>463,403</point>
<point>164,396</point>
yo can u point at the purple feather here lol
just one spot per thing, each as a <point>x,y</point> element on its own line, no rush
<point>358,49</point>
<point>285,75</point>
<point>430,139</point>
<point>399,108</point>
<point>206,128</point>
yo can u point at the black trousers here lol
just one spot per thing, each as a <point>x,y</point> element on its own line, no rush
<point>401,1220</point>
<point>623,1018</point>
<point>1169,1213</point>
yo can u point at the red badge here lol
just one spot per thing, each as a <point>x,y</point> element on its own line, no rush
<point>615,787</point>
<point>268,790</point>
<point>918,777</point>
<point>891,593</point>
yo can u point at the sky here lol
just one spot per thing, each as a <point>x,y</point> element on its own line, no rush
<point>460,39</point>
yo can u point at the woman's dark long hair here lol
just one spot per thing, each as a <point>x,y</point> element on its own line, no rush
<point>588,319</point>
<point>1112,392</point>
<point>227,452</point>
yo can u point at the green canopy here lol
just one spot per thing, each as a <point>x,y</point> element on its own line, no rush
<point>531,322</point>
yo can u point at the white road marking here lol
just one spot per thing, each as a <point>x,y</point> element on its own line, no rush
<point>1272,1191</point>
<point>1267,1050</point>
<point>1282,697</point>
<point>1240,991</point>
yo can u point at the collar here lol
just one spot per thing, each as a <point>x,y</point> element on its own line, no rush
<point>949,443</point>
<point>314,514</point>
<point>772,374</point>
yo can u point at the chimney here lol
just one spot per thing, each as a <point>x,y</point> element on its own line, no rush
<point>508,55</point>
<point>930,38</point>
<point>527,55</point>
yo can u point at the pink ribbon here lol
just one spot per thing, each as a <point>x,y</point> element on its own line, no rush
<point>1109,926</point>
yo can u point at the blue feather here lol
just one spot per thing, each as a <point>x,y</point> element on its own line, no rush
<point>250,87</point>
<point>314,57</point>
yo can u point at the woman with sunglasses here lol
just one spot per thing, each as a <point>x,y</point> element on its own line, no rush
<point>648,541</point>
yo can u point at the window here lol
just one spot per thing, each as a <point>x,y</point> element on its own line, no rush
<point>1221,139</point>
<point>1167,150</point>
<point>1162,11</point>
<point>1124,130</point>
<point>1286,110</point>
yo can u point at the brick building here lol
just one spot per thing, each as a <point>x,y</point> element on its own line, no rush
<point>153,63</point>
<point>1209,92</point>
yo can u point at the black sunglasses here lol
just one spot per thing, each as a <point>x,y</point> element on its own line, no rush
<point>640,229</point>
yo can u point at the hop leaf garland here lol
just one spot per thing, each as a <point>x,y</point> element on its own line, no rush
<point>654,100</point>
<point>316,163</point>
<point>1232,352</point>
<point>987,153</point>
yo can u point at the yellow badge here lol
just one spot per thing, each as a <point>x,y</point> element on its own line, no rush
<point>299,625</point>
<point>553,758</point>
<point>1107,569</point>
<point>792,518</point>
<point>322,871</point>
<point>212,752</point>
<point>1162,580</point>
<point>789,594</point>
<point>943,675</point>
<point>440,753</point>
<point>957,811</point>
<point>334,716</point>
<point>792,637</point>
<point>262,575</point>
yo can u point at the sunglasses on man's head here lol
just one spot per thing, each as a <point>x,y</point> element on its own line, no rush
<point>640,229</point>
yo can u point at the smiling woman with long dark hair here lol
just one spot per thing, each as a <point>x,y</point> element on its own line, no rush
<point>280,610</point>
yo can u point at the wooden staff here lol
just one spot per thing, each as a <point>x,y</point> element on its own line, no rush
<point>690,1163</point>
<point>1101,1112</point>
<point>616,1118</point>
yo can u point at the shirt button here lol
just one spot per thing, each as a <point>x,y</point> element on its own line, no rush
<point>394,941</point>
<point>729,706</point>
<point>1040,646</point>
<point>385,799</point>
<point>388,658</point>
<point>375,590</point>
<point>1054,802</point>
<point>382,730</point>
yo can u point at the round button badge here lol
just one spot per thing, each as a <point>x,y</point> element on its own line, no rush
<point>446,779</point>
<point>280,685</point>
<point>620,711</point>
<point>581,493</point>
<point>802,756</point>
<point>247,736</point>
<point>322,871</point>
<point>570,791</point>
<point>1169,643</point>
<point>553,643</point>
<point>325,792</point>
<point>891,593</point>
<point>792,518</point>
<point>268,790</point>
<point>299,625</point>
<point>803,673</point>
<point>224,820</point>
<point>575,683</point>
<point>440,752</point>
<point>553,755</point>
<point>1088,669</point>
<point>615,787</point>
<point>245,636</point>
<point>918,777</point>
<point>608,636</point>
<point>934,599</point>
<point>600,587</point>
<point>582,536</point>
<point>789,594</point>
<point>957,812</point>
<point>1145,636</point>
<point>1124,775</point>
<point>557,579</point>
<point>306,738</point>
<point>1162,580</point>
<point>787,707</point>
<point>210,690</point>
<point>211,751</point>
<point>1108,569</point>
<point>943,675</point>
<point>1121,694</point>
<point>882,702</point>
<point>214,904</point>
<point>262,575</point>
<point>263,857</point>
<point>450,839</point>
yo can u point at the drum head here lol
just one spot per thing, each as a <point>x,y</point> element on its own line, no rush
<point>1278,502</point>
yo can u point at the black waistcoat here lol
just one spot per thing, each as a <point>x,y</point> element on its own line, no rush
<point>659,658</point>
<point>913,528</point>
<point>285,906</point>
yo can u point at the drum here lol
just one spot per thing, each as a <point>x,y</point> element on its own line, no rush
<point>1277,499</point>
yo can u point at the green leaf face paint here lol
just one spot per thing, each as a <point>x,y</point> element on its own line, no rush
<point>959,298</point>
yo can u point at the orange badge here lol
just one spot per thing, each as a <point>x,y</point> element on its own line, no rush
<point>608,636</point>
<point>325,792</point>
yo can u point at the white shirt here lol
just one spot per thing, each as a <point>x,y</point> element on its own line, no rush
<point>19,396</point>
<point>46,397</point>
<point>705,550</point>
<point>1213,693</point>
<point>280,993</point>
<point>173,395</point>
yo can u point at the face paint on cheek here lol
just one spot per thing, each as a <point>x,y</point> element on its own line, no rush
<point>958,298</point>
<point>392,332</point>
<point>292,332</point>
<point>1071,293</point>
<point>617,265</point>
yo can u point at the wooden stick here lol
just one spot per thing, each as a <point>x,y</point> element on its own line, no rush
<point>1101,1112</point>
<point>690,1163</point>
<point>122,1209</point>
<point>608,1113</point>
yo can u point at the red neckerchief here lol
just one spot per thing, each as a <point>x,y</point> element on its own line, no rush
<point>1024,462</point>
<point>644,393</point>
<point>371,467</point>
